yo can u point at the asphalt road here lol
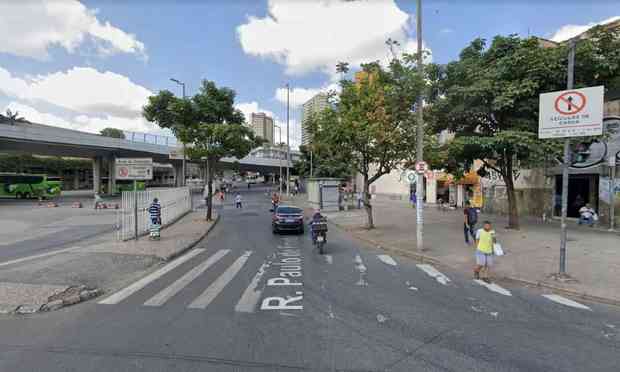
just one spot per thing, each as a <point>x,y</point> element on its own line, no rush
<point>246,300</point>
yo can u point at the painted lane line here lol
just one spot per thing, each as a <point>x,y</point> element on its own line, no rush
<point>386,259</point>
<point>361,268</point>
<point>135,287</point>
<point>493,287</point>
<point>34,257</point>
<point>566,301</point>
<point>329,259</point>
<point>251,295</point>
<point>202,301</point>
<point>434,273</point>
<point>174,288</point>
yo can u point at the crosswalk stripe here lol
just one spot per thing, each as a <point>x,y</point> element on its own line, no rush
<point>214,289</point>
<point>494,287</point>
<point>174,288</point>
<point>251,295</point>
<point>566,301</point>
<point>386,259</point>
<point>329,259</point>
<point>135,287</point>
<point>434,273</point>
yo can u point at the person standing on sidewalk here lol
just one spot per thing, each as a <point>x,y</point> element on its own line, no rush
<point>238,200</point>
<point>413,199</point>
<point>155,216</point>
<point>471,218</point>
<point>485,238</point>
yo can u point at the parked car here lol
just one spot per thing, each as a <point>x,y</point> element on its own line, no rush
<point>288,218</point>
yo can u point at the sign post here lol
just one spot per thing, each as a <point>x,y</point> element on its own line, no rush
<point>612,192</point>
<point>566,114</point>
<point>134,169</point>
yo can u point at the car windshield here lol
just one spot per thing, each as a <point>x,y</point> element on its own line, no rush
<point>289,210</point>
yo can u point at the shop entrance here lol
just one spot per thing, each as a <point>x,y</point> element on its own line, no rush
<point>582,189</point>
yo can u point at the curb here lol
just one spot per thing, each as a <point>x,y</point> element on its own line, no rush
<point>193,244</point>
<point>70,296</point>
<point>428,259</point>
<point>567,292</point>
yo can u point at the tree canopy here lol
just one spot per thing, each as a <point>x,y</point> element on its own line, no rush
<point>208,123</point>
<point>370,127</point>
<point>489,99</point>
<point>112,132</point>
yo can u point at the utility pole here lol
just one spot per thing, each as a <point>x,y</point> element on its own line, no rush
<point>311,165</point>
<point>288,147</point>
<point>566,164</point>
<point>419,187</point>
<point>280,159</point>
<point>184,157</point>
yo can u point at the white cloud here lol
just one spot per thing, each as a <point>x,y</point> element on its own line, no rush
<point>299,96</point>
<point>314,35</point>
<point>568,31</point>
<point>295,138</point>
<point>251,107</point>
<point>81,89</point>
<point>28,28</point>
<point>82,122</point>
<point>446,30</point>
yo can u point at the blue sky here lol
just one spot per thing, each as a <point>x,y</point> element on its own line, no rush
<point>91,64</point>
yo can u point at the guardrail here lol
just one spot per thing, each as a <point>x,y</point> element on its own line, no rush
<point>175,202</point>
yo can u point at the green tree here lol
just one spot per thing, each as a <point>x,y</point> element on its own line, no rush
<point>12,118</point>
<point>371,125</point>
<point>208,123</point>
<point>489,99</point>
<point>113,133</point>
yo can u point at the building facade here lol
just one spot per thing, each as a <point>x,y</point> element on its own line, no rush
<point>262,125</point>
<point>313,106</point>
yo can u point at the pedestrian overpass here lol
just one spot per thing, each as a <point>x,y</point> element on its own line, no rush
<point>39,139</point>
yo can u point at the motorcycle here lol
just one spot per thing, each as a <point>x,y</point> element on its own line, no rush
<point>319,231</point>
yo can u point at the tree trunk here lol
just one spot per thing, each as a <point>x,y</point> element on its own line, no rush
<point>513,212</point>
<point>370,223</point>
<point>209,191</point>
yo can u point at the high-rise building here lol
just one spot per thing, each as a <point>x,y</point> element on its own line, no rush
<point>262,125</point>
<point>313,106</point>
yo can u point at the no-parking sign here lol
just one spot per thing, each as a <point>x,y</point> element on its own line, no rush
<point>134,168</point>
<point>571,113</point>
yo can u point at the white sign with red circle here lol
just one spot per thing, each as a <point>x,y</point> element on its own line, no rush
<point>571,113</point>
<point>134,168</point>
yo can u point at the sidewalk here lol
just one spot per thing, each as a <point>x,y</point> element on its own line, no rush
<point>532,254</point>
<point>99,265</point>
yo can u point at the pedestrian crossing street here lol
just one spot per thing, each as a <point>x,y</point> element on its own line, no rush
<point>250,298</point>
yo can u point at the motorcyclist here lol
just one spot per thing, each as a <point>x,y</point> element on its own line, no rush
<point>275,200</point>
<point>316,217</point>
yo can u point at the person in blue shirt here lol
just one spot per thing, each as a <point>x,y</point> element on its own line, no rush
<point>155,212</point>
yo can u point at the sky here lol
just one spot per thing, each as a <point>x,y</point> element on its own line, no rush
<point>91,64</point>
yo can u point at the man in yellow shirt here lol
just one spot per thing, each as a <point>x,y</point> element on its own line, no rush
<point>485,238</point>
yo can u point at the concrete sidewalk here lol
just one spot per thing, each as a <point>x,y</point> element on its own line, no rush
<point>99,265</point>
<point>532,254</point>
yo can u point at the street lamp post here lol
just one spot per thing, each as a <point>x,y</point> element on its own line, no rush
<point>280,157</point>
<point>288,147</point>
<point>183,90</point>
<point>419,142</point>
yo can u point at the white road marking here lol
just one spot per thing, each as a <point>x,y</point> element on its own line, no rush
<point>34,257</point>
<point>174,288</point>
<point>493,287</point>
<point>408,284</point>
<point>361,268</point>
<point>251,295</point>
<point>386,259</point>
<point>329,259</point>
<point>202,301</point>
<point>566,301</point>
<point>434,273</point>
<point>135,287</point>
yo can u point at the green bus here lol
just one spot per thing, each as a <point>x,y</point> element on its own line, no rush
<point>26,186</point>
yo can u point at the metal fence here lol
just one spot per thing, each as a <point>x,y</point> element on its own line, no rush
<point>175,202</point>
